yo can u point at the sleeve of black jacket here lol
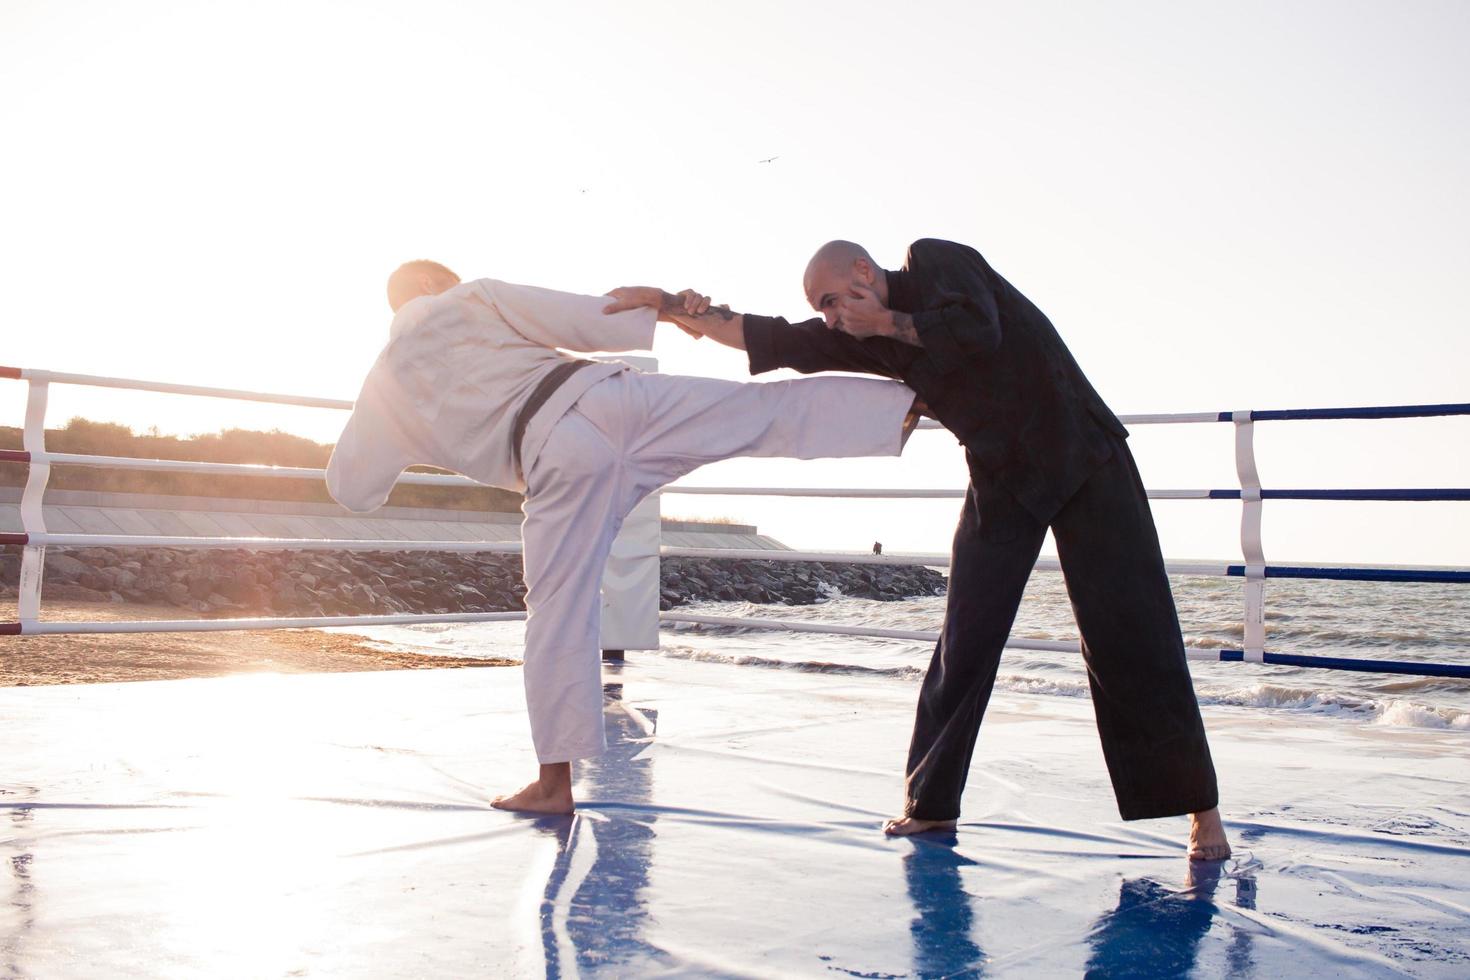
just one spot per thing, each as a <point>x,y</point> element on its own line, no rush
<point>811,346</point>
<point>965,322</point>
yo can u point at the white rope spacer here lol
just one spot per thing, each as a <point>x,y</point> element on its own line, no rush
<point>1250,537</point>
<point>32,515</point>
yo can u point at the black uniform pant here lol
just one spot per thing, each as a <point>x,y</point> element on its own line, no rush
<point>1152,736</point>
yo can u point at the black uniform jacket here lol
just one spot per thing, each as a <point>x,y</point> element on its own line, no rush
<point>992,369</point>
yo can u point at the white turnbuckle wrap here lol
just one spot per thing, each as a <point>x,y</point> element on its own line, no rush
<point>32,520</point>
<point>1254,644</point>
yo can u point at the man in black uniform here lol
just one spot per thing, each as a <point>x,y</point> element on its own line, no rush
<point>1043,451</point>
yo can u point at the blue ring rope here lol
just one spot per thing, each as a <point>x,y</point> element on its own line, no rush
<point>1446,493</point>
<point>1356,574</point>
<point>1352,663</point>
<point>1381,412</point>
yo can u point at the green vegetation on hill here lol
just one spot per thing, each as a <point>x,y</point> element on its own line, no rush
<point>274,448</point>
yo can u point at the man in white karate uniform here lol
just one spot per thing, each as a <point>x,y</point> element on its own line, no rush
<point>473,379</point>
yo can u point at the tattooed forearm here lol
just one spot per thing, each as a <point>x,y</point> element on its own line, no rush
<point>903,329</point>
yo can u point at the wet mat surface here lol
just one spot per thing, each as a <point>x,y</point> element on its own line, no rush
<point>339,824</point>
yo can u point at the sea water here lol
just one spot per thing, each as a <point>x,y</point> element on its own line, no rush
<point>1426,623</point>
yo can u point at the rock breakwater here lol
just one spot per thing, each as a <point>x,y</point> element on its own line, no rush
<point>338,583</point>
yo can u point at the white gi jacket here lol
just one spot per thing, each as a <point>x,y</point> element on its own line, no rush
<point>457,369</point>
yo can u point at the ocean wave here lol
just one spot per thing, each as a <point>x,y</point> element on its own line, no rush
<point>1377,639</point>
<point>807,666</point>
<point>1329,618</point>
<point>1390,712</point>
<point>1410,715</point>
<point>1049,687</point>
<point>1018,683</point>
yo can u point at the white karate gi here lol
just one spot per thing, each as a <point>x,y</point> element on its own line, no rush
<point>625,435</point>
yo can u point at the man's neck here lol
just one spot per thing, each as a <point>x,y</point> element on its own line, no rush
<point>899,291</point>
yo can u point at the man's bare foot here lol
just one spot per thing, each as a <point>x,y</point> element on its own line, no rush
<point>551,793</point>
<point>1207,837</point>
<point>908,826</point>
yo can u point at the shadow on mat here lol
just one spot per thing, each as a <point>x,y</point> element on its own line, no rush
<point>1156,931</point>
<point>944,922</point>
<point>593,911</point>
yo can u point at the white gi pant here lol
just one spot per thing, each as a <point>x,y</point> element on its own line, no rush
<point>626,437</point>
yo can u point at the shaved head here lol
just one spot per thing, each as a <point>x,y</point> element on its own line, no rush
<point>421,277</point>
<point>834,271</point>
<point>838,257</point>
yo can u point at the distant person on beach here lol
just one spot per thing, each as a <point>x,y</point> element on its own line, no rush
<point>1044,451</point>
<point>473,379</point>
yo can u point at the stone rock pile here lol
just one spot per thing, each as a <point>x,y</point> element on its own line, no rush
<point>792,583</point>
<point>322,583</point>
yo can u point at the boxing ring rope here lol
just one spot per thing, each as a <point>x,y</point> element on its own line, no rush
<point>34,538</point>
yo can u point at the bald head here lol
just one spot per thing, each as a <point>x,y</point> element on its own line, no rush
<point>420,277</point>
<point>834,269</point>
<point>837,256</point>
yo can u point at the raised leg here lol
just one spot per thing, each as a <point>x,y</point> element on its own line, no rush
<point>687,422</point>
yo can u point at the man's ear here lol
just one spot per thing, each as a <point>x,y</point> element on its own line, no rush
<point>863,269</point>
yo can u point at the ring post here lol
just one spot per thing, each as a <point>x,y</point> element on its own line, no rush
<point>1250,537</point>
<point>32,517</point>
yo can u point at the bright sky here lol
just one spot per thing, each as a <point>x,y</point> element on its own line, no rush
<point>1252,205</point>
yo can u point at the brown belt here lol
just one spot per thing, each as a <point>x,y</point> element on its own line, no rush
<point>544,389</point>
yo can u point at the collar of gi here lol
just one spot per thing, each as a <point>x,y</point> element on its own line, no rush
<point>901,292</point>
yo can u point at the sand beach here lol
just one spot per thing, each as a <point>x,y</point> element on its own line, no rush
<point>110,657</point>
